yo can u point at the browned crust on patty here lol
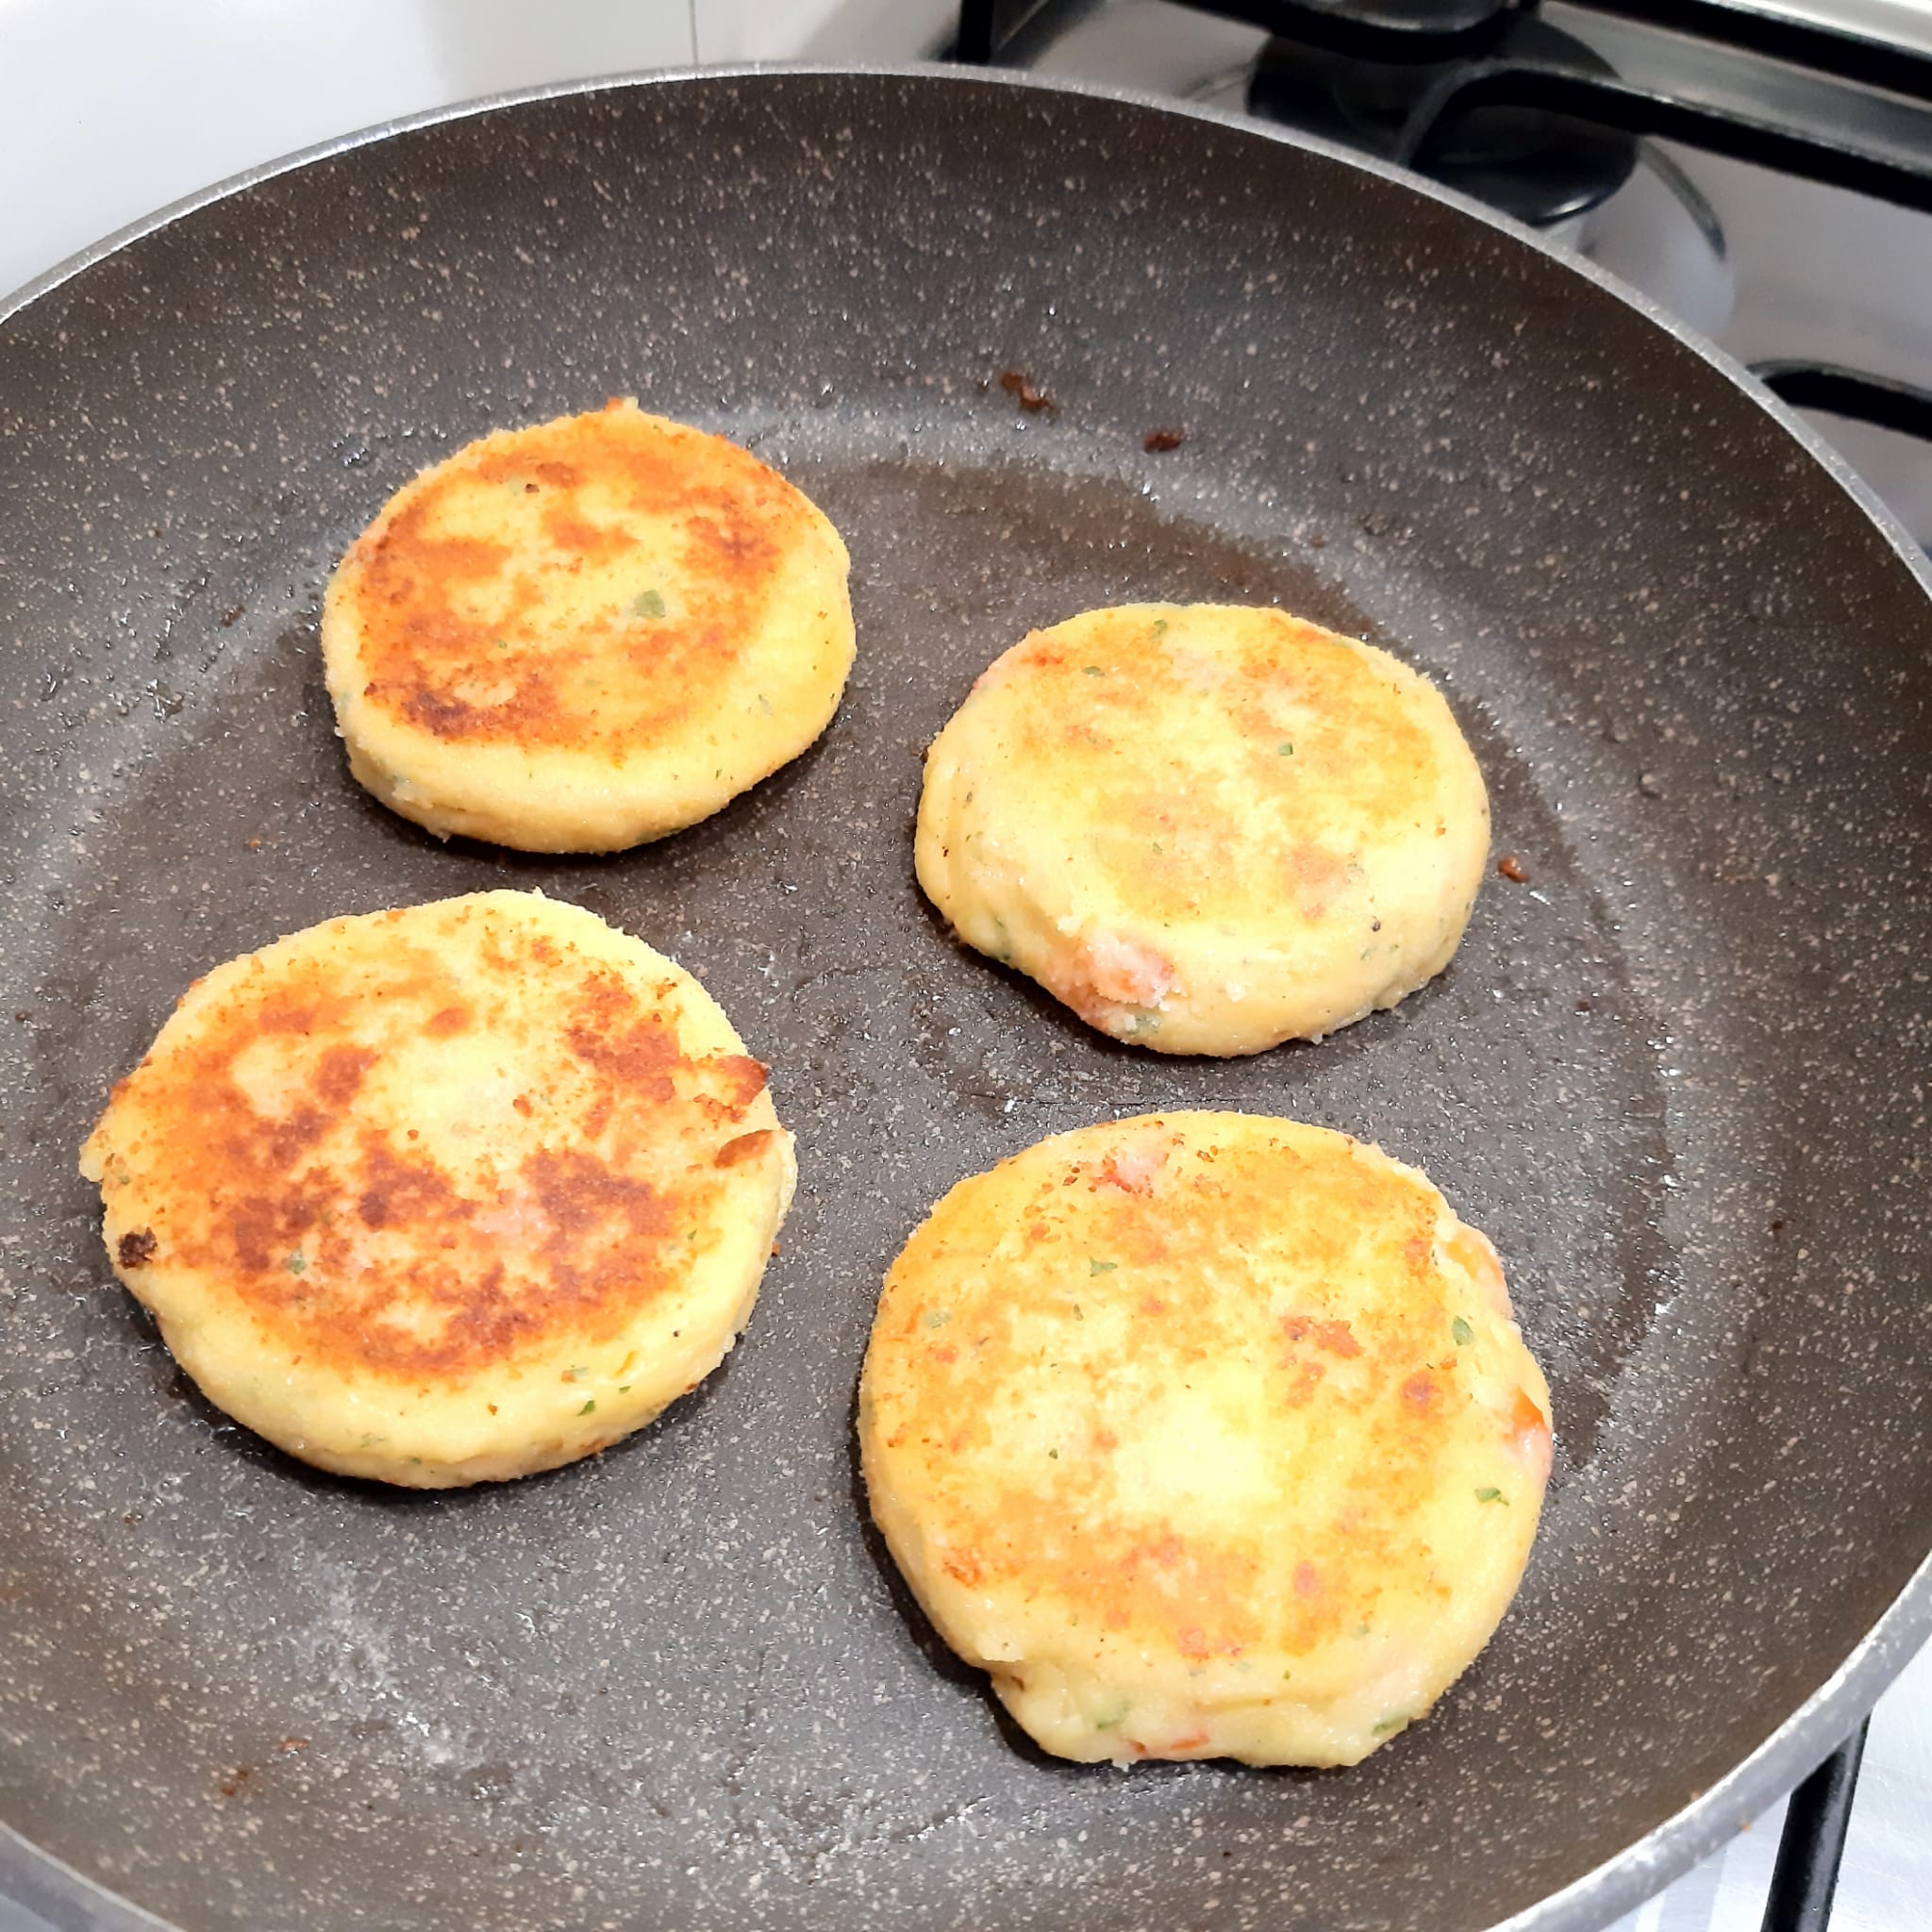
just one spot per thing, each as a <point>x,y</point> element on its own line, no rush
<point>438,614</point>
<point>1145,1239</point>
<point>350,1242</point>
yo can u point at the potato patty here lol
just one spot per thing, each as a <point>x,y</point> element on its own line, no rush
<point>577,637</point>
<point>447,1194</point>
<point>1207,1435</point>
<point>1205,829</point>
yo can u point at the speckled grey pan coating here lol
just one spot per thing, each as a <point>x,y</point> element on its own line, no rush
<point>1677,1075</point>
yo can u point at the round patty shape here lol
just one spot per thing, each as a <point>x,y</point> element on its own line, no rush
<point>581,636</point>
<point>448,1195</point>
<point>1206,828</point>
<point>1207,1435</point>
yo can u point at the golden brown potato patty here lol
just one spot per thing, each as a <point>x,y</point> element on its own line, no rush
<point>445,1193</point>
<point>1207,1435</point>
<point>586,634</point>
<point>1207,828</point>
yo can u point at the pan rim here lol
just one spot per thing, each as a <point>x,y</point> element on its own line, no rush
<point>1816,1726</point>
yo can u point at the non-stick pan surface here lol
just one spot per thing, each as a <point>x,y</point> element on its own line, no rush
<point>1677,1074</point>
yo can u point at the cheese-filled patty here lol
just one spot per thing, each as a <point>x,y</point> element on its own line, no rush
<point>580,635</point>
<point>1207,1435</point>
<point>1207,828</point>
<point>447,1194</point>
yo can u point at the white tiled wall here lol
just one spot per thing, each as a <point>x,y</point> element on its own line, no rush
<point>821,29</point>
<point>110,108</point>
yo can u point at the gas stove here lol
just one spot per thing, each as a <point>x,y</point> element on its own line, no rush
<point>1764,173</point>
<point>1766,177</point>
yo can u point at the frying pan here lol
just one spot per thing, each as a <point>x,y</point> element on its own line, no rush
<point>1677,1074</point>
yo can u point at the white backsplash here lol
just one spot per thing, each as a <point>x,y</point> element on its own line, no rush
<point>111,108</point>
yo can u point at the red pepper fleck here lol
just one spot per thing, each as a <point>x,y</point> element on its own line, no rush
<point>1512,868</point>
<point>1158,441</point>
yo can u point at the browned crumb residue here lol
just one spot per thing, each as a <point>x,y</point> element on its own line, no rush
<point>1512,868</point>
<point>453,628</point>
<point>1023,392</point>
<point>357,1241</point>
<point>1158,441</point>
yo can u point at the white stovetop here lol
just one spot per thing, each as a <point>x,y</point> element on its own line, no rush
<point>109,109</point>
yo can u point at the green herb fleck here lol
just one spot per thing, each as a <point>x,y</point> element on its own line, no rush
<point>297,1263</point>
<point>623,1387</point>
<point>1102,1267</point>
<point>501,643</point>
<point>1111,1718</point>
<point>1160,626</point>
<point>647,604</point>
<point>1079,1314</point>
<point>1389,1724</point>
<point>1284,749</point>
<point>1361,1629</point>
<point>1053,1455</point>
<point>1286,1676</point>
<point>1093,670</point>
<point>1157,846</point>
<point>764,704</point>
<point>937,1317</point>
<point>1463,1333</point>
<point>571,1374</point>
<point>588,1407</point>
<point>1492,1497</point>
